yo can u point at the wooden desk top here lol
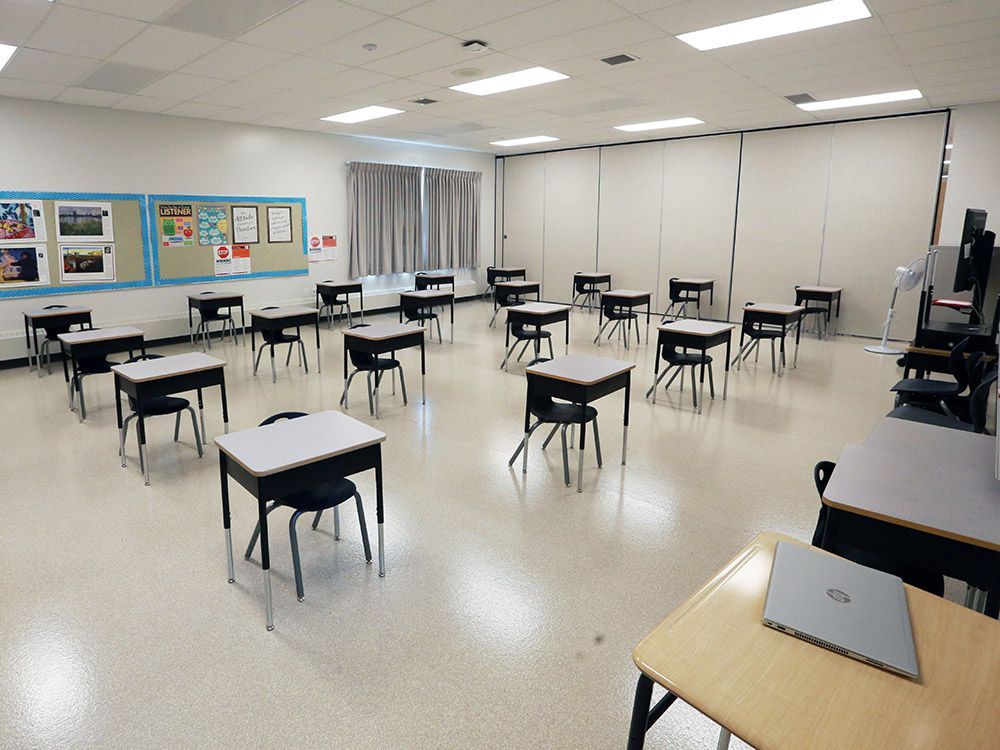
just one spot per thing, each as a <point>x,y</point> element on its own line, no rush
<point>31,314</point>
<point>775,691</point>
<point>960,502</point>
<point>284,445</point>
<point>931,443</point>
<point>216,295</point>
<point>338,284</point>
<point>429,294</point>
<point>517,283</point>
<point>538,308</point>
<point>583,369</point>
<point>774,307</point>
<point>630,293</point>
<point>382,331</point>
<point>820,289</point>
<point>693,280</point>
<point>283,312</point>
<point>696,327</point>
<point>166,367</point>
<point>99,334</point>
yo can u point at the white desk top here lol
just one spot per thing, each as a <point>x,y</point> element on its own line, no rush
<point>99,334</point>
<point>592,275</point>
<point>382,331</point>
<point>584,369</point>
<point>165,367</point>
<point>517,283</point>
<point>693,280</point>
<point>284,312</point>
<point>696,327</point>
<point>284,445</point>
<point>58,311</point>
<point>509,269</point>
<point>213,295</point>
<point>820,289</point>
<point>774,307</point>
<point>429,294</point>
<point>933,444</point>
<point>538,308</point>
<point>626,293</point>
<point>337,284</point>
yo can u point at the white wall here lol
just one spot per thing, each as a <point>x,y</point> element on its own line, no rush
<point>68,148</point>
<point>974,174</point>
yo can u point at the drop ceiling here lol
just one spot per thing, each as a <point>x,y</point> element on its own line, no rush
<point>287,63</point>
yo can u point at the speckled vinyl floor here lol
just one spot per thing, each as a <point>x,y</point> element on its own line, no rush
<point>511,604</point>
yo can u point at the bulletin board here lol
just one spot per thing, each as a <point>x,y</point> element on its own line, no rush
<point>107,252</point>
<point>187,229</point>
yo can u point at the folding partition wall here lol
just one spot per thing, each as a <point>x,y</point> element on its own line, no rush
<point>840,204</point>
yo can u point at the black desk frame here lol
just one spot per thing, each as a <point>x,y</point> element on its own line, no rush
<point>388,346</point>
<point>514,315</point>
<point>805,295</point>
<point>346,289</point>
<point>422,281</point>
<point>228,301</point>
<point>101,348</point>
<point>699,343</point>
<point>630,302</point>
<point>407,302</point>
<point>32,324</point>
<point>784,321</point>
<point>260,323</point>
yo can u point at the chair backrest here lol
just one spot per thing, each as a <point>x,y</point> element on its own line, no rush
<point>506,297</point>
<point>821,476</point>
<point>52,331</point>
<point>491,275</point>
<point>676,294</point>
<point>331,297</point>
<point>139,358</point>
<point>754,320</point>
<point>581,285</point>
<point>283,415</point>
<point>957,364</point>
<point>979,401</point>
<point>361,360</point>
<point>54,307</point>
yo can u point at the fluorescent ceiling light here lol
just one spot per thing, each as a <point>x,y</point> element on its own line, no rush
<point>679,122</point>
<point>6,52</point>
<point>365,113</point>
<point>520,79</point>
<point>777,24</point>
<point>524,141</point>
<point>860,101</point>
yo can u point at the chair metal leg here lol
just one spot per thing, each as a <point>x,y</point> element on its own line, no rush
<point>123,436</point>
<point>288,358</point>
<point>256,533</point>
<point>438,321</point>
<point>303,357</point>
<point>523,446</point>
<point>83,404</point>
<point>711,382</point>
<point>503,365</point>
<point>319,515</point>
<point>371,403</point>
<point>336,523</point>
<point>773,368</point>
<point>197,435</point>
<point>293,537</point>
<point>565,456</point>
<point>257,361</point>
<point>678,371</point>
<point>694,386</point>
<point>656,382</point>
<point>177,427</point>
<point>364,528</point>
<point>347,385</point>
<point>523,349</point>
<point>597,338</point>
<point>402,385</point>
<point>549,438</point>
<point>597,445</point>
<point>551,353</point>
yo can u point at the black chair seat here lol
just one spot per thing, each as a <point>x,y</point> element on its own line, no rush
<point>420,315</point>
<point>926,387</point>
<point>563,413</point>
<point>683,359</point>
<point>925,416</point>
<point>52,334</point>
<point>215,315</point>
<point>530,334</point>
<point>279,337</point>
<point>619,315</point>
<point>162,405</point>
<point>765,333</point>
<point>320,497</point>
<point>94,365</point>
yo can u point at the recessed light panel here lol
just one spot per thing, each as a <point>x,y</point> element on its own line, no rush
<point>363,114</point>
<point>679,122</point>
<point>6,52</point>
<point>777,24</point>
<point>524,141</point>
<point>509,81</point>
<point>860,101</point>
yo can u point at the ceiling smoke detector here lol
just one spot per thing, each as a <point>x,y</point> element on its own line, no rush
<point>475,46</point>
<point>371,46</point>
<point>619,59</point>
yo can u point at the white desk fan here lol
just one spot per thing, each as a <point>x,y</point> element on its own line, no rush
<point>907,278</point>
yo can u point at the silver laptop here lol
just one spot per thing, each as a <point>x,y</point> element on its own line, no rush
<point>842,606</point>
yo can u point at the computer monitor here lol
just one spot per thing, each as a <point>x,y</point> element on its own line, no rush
<point>972,254</point>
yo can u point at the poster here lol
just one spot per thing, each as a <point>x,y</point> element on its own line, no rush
<point>231,260</point>
<point>245,225</point>
<point>279,224</point>
<point>176,225</point>
<point>24,265</point>
<point>21,221</point>
<point>315,249</point>
<point>81,264</point>
<point>213,226</point>
<point>84,222</point>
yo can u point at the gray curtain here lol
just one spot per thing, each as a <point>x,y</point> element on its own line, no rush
<point>452,200</point>
<point>386,222</point>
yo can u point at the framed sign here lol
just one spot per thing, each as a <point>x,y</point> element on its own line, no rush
<point>245,230</point>
<point>84,222</point>
<point>86,263</point>
<point>279,224</point>
<point>21,221</point>
<point>23,266</point>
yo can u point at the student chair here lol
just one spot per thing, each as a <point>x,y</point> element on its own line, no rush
<point>923,579</point>
<point>613,313</point>
<point>332,299</point>
<point>680,360</point>
<point>680,298</point>
<point>977,408</point>
<point>213,314</point>
<point>276,338</point>
<point>927,391</point>
<point>52,337</point>
<point>86,366</point>
<point>502,299</point>
<point>586,288</point>
<point>560,415</point>
<point>315,500</point>
<point>420,316</point>
<point>492,277</point>
<point>527,335</point>
<point>821,313</point>
<point>375,367</point>
<point>755,329</point>
<point>156,407</point>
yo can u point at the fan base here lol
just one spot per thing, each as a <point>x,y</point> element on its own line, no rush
<point>879,349</point>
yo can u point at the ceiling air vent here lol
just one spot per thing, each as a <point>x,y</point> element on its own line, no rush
<point>800,98</point>
<point>618,59</point>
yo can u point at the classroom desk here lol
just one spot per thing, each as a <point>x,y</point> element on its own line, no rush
<point>827,294</point>
<point>386,338</point>
<point>630,298</point>
<point>580,379</point>
<point>775,691</point>
<point>696,285</point>
<point>428,298</point>
<point>277,320</point>
<point>784,317</point>
<point>930,498</point>
<point>59,316</point>
<point>591,280</point>
<point>520,288</point>
<point>294,455</point>
<point>434,279</point>
<point>700,335</point>
<point>504,273</point>
<point>165,376</point>
<point>536,314</point>
<point>218,300</point>
<point>95,342</point>
<point>346,288</point>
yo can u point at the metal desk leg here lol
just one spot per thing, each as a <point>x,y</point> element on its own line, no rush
<point>579,463</point>
<point>265,562</point>
<point>201,416</point>
<point>380,515</point>
<point>226,523</point>
<point>640,713</point>
<point>190,325</point>
<point>38,356</point>
<point>141,426</point>
<point>118,412</point>
<point>319,361</point>
<point>225,406</point>
<point>724,735</point>
<point>725,381</point>
<point>27,341</point>
<point>628,391</point>
<point>423,375</point>
<point>453,319</point>
<point>798,335</point>
<point>566,347</point>
<point>701,384</point>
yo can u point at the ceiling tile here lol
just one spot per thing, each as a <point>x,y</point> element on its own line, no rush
<point>391,35</point>
<point>223,18</point>
<point>237,115</point>
<point>181,86</point>
<point>481,66</point>
<point>29,89</point>
<point>388,7</point>
<point>544,22</point>
<point>442,52</point>
<point>138,103</point>
<point>235,60</point>
<point>48,67</point>
<point>160,47</point>
<point>677,18</point>
<point>986,46</point>
<point>20,19</point>
<point>123,79</point>
<point>452,16</point>
<point>89,97</point>
<point>940,14</point>
<point>960,32</point>
<point>309,24</point>
<point>63,31</point>
<point>351,79</point>
<point>279,120</point>
<point>142,10</point>
<point>194,109</point>
<point>293,71</point>
<point>617,35</point>
<point>234,94</point>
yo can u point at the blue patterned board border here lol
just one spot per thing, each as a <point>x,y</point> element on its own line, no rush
<point>154,248</point>
<point>60,289</point>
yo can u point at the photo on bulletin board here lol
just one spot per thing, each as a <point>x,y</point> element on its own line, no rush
<point>176,224</point>
<point>279,224</point>
<point>84,222</point>
<point>23,265</point>
<point>82,264</point>
<point>21,221</point>
<point>213,225</point>
<point>245,231</point>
